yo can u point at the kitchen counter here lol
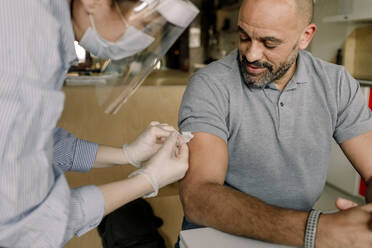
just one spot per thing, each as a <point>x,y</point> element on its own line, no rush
<point>167,77</point>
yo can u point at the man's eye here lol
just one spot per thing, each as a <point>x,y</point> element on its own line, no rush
<point>242,38</point>
<point>270,46</point>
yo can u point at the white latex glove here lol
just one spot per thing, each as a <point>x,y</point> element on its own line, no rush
<point>147,144</point>
<point>168,165</point>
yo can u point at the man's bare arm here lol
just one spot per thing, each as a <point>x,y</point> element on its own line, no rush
<point>359,152</point>
<point>208,202</point>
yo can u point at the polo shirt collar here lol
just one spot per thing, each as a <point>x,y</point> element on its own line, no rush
<point>301,75</point>
<point>231,60</point>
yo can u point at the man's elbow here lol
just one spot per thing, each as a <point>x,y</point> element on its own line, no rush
<point>191,204</point>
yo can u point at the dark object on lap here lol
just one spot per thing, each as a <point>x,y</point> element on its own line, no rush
<point>132,226</point>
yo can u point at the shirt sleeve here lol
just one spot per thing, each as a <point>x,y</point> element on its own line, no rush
<point>67,212</point>
<point>204,108</point>
<point>353,115</point>
<point>86,211</point>
<point>71,153</point>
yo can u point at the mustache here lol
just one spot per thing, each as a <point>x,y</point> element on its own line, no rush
<point>257,63</point>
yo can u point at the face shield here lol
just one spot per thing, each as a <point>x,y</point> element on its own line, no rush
<point>146,30</point>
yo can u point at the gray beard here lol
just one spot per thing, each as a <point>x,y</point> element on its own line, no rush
<point>269,75</point>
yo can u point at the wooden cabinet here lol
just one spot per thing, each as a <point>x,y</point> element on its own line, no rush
<point>357,53</point>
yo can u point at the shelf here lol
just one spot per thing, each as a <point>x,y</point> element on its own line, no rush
<point>349,18</point>
<point>352,11</point>
<point>365,83</point>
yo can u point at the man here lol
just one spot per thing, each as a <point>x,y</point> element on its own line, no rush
<point>37,207</point>
<point>263,119</point>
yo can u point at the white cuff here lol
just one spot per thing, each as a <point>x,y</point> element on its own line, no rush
<point>130,160</point>
<point>150,178</point>
<point>87,209</point>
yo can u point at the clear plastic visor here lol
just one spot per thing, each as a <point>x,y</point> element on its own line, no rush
<point>146,30</point>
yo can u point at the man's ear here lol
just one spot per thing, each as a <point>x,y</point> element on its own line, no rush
<point>307,35</point>
<point>90,6</point>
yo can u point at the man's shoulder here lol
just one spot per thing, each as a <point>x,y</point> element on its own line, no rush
<point>222,66</point>
<point>221,71</point>
<point>319,66</point>
<point>320,72</point>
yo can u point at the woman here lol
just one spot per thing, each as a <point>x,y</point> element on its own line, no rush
<point>37,207</point>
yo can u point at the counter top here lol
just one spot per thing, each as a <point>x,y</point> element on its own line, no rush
<point>209,237</point>
<point>167,77</point>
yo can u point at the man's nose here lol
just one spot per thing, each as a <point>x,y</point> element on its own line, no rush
<point>253,52</point>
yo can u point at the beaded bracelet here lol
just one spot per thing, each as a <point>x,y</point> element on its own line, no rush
<point>311,227</point>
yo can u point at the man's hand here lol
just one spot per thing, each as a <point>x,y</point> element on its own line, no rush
<point>346,229</point>
<point>345,204</point>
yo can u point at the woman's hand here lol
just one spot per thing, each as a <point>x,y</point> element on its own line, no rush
<point>148,143</point>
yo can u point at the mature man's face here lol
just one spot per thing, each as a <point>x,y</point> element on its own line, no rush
<point>269,33</point>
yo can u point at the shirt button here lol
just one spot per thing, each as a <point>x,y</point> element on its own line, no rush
<point>282,104</point>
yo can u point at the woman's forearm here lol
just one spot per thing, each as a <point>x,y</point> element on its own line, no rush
<point>108,156</point>
<point>119,193</point>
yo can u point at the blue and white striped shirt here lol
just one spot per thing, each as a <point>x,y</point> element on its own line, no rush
<point>71,153</point>
<point>37,207</point>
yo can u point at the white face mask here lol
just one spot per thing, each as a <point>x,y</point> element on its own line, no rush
<point>178,12</point>
<point>132,42</point>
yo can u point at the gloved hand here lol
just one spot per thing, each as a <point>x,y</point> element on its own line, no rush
<point>168,165</point>
<point>147,144</point>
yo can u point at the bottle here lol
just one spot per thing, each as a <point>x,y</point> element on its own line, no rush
<point>339,56</point>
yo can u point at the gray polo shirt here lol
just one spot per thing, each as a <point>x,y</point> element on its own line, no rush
<point>279,142</point>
